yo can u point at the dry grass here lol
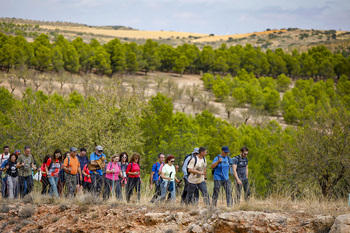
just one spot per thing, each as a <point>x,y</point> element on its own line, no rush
<point>125,33</point>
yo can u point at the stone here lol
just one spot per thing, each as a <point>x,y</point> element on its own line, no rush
<point>341,224</point>
<point>154,218</point>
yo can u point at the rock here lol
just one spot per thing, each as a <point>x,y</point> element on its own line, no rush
<point>341,224</point>
<point>154,218</point>
<point>207,227</point>
<point>167,213</point>
<point>178,217</point>
<point>195,229</point>
<point>194,212</point>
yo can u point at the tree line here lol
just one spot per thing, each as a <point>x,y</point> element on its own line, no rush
<point>116,57</point>
<point>312,159</point>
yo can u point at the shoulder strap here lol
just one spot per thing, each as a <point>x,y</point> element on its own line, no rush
<point>195,161</point>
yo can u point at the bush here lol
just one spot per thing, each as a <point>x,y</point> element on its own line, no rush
<point>4,209</point>
<point>26,211</point>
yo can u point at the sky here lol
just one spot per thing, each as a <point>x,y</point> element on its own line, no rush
<point>219,17</point>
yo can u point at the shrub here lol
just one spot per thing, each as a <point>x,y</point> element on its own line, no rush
<point>26,211</point>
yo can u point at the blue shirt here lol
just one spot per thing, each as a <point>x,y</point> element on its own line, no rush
<point>221,171</point>
<point>94,157</point>
<point>241,166</point>
<point>155,169</point>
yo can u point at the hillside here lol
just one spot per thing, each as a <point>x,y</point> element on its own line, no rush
<point>287,39</point>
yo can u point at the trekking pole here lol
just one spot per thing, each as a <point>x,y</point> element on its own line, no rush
<point>113,185</point>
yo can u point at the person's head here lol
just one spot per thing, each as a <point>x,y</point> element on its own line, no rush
<point>82,152</point>
<point>46,158</point>
<point>123,157</point>
<point>6,149</point>
<point>161,157</point>
<point>73,151</point>
<point>170,160</point>
<point>195,151</point>
<point>244,151</point>
<point>224,151</point>
<point>114,158</point>
<point>99,150</point>
<point>27,150</point>
<point>135,158</point>
<point>202,151</point>
<point>13,157</point>
<point>65,155</point>
<point>57,154</point>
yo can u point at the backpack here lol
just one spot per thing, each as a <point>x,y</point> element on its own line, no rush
<point>61,173</point>
<point>229,161</point>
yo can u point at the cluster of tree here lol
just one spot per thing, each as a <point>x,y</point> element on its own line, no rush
<point>308,98</point>
<point>261,93</point>
<point>117,57</point>
<point>123,121</point>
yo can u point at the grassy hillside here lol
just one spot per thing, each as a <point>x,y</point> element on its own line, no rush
<point>287,39</point>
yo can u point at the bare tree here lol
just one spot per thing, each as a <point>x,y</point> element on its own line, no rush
<point>159,80</point>
<point>197,107</point>
<point>62,78</point>
<point>72,85</point>
<point>24,73</point>
<point>37,80</point>
<point>14,82</point>
<point>204,99</point>
<point>230,105</point>
<point>170,85</point>
<point>246,114</point>
<point>86,82</point>
<point>50,84</point>
<point>192,92</point>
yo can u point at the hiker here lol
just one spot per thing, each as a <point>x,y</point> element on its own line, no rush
<point>25,164</point>
<point>133,173</point>
<point>83,160</point>
<point>155,178</point>
<point>240,172</point>
<point>53,167</point>
<point>12,176</point>
<point>112,178</point>
<point>185,178</point>
<point>123,164</point>
<point>4,157</point>
<point>198,176</point>
<point>97,175</point>
<point>168,178</point>
<point>71,166</point>
<point>61,182</point>
<point>44,179</point>
<point>221,169</point>
<point>87,179</point>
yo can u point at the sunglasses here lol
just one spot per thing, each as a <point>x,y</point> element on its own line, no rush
<point>173,161</point>
<point>100,151</point>
<point>124,157</point>
<point>245,153</point>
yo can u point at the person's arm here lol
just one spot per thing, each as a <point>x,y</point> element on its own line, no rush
<point>80,174</point>
<point>64,166</point>
<point>109,171</point>
<point>164,177</point>
<point>19,164</point>
<point>234,168</point>
<point>246,170</point>
<point>216,163</point>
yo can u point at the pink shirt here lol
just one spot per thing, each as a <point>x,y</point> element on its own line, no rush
<point>111,166</point>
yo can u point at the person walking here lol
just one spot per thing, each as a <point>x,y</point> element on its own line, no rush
<point>198,176</point>
<point>168,176</point>
<point>123,164</point>
<point>12,176</point>
<point>44,178</point>
<point>155,178</point>
<point>221,167</point>
<point>185,177</point>
<point>3,158</point>
<point>53,167</point>
<point>134,181</point>
<point>240,172</point>
<point>112,178</point>
<point>71,167</point>
<point>25,164</point>
<point>97,176</point>
<point>83,160</point>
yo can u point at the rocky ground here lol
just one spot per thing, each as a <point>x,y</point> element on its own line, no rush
<point>21,217</point>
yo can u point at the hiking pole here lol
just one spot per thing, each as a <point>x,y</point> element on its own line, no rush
<point>113,185</point>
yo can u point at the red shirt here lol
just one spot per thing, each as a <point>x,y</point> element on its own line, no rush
<point>135,168</point>
<point>87,171</point>
<point>54,171</point>
<point>42,169</point>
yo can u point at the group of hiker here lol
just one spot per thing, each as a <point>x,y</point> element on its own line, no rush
<point>72,173</point>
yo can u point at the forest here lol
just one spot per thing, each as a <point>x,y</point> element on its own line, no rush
<point>310,157</point>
